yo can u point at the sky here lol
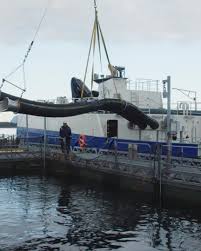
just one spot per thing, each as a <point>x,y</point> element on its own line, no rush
<point>151,38</point>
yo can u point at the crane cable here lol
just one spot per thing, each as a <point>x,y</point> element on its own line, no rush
<point>22,65</point>
<point>96,32</point>
<point>99,30</point>
<point>92,42</point>
<point>99,46</point>
<point>108,59</point>
<point>85,74</point>
<point>94,49</point>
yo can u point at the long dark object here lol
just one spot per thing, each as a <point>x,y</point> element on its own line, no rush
<point>120,107</point>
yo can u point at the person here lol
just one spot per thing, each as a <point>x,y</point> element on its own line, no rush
<point>65,137</point>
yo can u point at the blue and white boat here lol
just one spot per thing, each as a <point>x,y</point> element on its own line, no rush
<point>144,94</point>
<point>185,124</point>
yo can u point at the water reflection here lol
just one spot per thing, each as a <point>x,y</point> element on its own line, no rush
<point>39,213</point>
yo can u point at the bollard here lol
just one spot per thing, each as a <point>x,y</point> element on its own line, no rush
<point>132,151</point>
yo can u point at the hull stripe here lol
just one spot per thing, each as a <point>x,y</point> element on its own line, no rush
<point>149,147</point>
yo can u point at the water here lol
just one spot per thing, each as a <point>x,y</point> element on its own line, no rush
<point>38,213</point>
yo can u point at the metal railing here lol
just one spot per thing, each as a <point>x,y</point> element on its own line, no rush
<point>150,161</point>
<point>15,149</point>
<point>8,142</point>
<point>181,155</point>
<point>144,85</point>
<point>186,156</point>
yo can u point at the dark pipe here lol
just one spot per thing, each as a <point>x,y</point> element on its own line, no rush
<point>123,108</point>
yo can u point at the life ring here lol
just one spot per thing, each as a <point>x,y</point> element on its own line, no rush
<point>82,141</point>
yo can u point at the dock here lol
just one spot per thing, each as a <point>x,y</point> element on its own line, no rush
<point>178,180</point>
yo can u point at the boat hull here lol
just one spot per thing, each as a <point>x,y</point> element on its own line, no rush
<point>100,143</point>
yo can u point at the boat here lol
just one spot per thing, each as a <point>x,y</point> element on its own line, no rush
<point>136,108</point>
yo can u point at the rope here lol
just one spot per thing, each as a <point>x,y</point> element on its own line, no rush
<point>107,56</point>
<point>4,80</point>
<point>42,19</point>
<point>12,72</point>
<point>98,154</point>
<point>24,76</point>
<point>85,74</point>
<point>98,37</point>
<point>22,65</point>
<point>97,32</point>
<point>104,44</point>
<point>95,5</point>
<point>94,48</point>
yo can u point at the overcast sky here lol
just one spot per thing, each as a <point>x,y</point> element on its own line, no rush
<point>151,38</point>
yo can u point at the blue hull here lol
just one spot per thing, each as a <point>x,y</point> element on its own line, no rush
<point>146,147</point>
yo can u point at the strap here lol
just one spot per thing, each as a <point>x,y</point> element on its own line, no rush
<point>85,74</point>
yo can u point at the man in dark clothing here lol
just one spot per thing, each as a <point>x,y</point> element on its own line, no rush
<point>65,137</point>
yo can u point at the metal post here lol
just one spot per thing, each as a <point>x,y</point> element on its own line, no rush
<point>157,135</point>
<point>159,173</point>
<point>140,134</point>
<point>115,151</point>
<point>181,136</point>
<point>27,130</point>
<point>169,139</point>
<point>195,101</point>
<point>44,146</point>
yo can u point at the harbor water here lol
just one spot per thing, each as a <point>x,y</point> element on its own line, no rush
<point>45,213</point>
